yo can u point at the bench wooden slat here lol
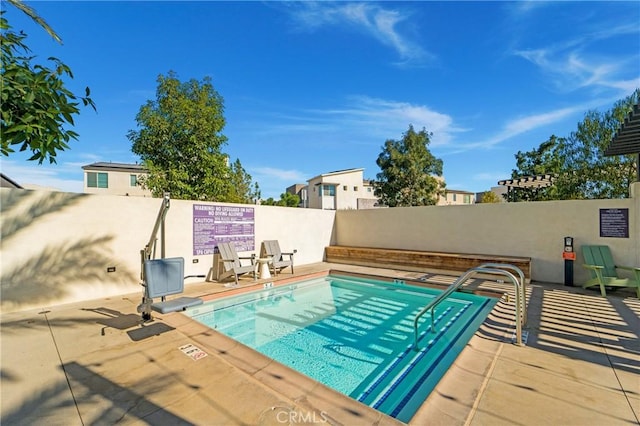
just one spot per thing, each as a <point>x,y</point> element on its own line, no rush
<point>420,260</point>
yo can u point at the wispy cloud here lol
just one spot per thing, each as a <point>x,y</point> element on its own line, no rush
<point>374,20</point>
<point>363,119</point>
<point>392,118</point>
<point>62,177</point>
<point>572,65</point>
<point>487,177</point>
<point>271,173</point>
<point>524,124</point>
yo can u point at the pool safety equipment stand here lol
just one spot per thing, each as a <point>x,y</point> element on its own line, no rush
<point>569,257</point>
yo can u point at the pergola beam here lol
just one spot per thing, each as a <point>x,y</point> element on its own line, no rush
<point>627,139</point>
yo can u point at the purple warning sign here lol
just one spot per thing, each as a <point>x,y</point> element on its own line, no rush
<point>213,224</point>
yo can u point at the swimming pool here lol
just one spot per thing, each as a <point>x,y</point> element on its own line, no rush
<point>353,334</point>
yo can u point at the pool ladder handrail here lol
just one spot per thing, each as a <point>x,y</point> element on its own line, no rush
<point>523,291</point>
<point>460,281</point>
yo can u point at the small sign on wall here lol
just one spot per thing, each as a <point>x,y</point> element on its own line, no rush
<point>614,223</point>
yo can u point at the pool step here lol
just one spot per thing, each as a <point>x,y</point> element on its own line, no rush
<point>416,373</point>
<point>402,364</point>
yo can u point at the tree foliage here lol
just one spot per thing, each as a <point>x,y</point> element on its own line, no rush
<point>286,200</point>
<point>489,197</point>
<point>36,104</point>
<point>579,165</point>
<point>407,172</point>
<point>180,142</point>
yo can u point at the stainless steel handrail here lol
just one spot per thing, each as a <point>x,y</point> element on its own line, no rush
<point>461,280</point>
<point>523,291</point>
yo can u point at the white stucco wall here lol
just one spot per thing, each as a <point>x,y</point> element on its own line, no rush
<point>533,230</point>
<point>56,246</point>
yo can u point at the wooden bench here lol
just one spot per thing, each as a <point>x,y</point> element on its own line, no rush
<point>414,260</point>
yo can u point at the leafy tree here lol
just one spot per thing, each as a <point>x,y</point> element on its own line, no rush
<point>289,200</point>
<point>582,170</point>
<point>179,141</point>
<point>539,161</point>
<point>36,105</point>
<point>407,172</point>
<point>286,200</point>
<point>489,197</point>
<point>242,190</point>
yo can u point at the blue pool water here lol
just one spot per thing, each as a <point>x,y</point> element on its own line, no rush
<point>354,335</point>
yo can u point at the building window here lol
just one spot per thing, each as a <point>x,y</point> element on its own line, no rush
<point>454,198</point>
<point>369,189</point>
<point>344,187</point>
<point>97,180</point>
<point>355,188</point>
<point>467,199</point>
<point>328,190</point>
<point>133,180</point>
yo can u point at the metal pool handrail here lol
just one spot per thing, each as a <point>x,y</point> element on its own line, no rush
<point>523,291</point>
<point>461,280</point>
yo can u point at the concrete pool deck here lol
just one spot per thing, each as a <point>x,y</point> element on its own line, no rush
<point>93,363</point>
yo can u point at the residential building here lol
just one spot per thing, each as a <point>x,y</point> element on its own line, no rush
<point>300,189</point>
<point>339,190</point>
<point>456,197</point>
<point>7,182</point>
<point>114,179</point>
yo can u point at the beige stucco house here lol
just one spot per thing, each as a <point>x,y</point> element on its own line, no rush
<point>114,179</point>
<point>340,190</point>
<point>455,197</point>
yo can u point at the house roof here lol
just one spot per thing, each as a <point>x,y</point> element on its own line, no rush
<point>118,167</point>
<point>337,172</point>
<point>7,182</point>
<point>459,191</point>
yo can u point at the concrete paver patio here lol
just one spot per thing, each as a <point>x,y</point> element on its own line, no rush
<point>94,363</point>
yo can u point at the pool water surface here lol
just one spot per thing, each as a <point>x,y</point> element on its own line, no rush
<point>354,335</point>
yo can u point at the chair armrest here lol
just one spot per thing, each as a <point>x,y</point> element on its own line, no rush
<point>252,258</point>
<point>594,267</point>
<point>627,268</point>
<point>635,270</point>
<point>290,254</point>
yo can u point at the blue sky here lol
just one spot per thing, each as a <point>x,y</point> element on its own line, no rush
<point>314,87</point>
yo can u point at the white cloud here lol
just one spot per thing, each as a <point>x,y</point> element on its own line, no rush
<point>525,124</point>
<point>270,173</point>
<point>575,64</point>
<point>487,177</point>
<point>60,177</point>
<point>364,119</point>
<point>374,20</point>
<point>389,119</point>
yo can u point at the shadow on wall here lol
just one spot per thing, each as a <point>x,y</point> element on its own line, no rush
<point>13,201</point>
<point>49,274</point>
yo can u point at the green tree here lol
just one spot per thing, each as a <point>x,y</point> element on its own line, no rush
<point>289,200</point>
<point>539,161</point>
<point>36,104</point>
<point>286,200</point>
<point>242,190</point>
<point>489,197</point>
<point>582,170</point>
<point>407,172</point>
<point>180,142</point>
